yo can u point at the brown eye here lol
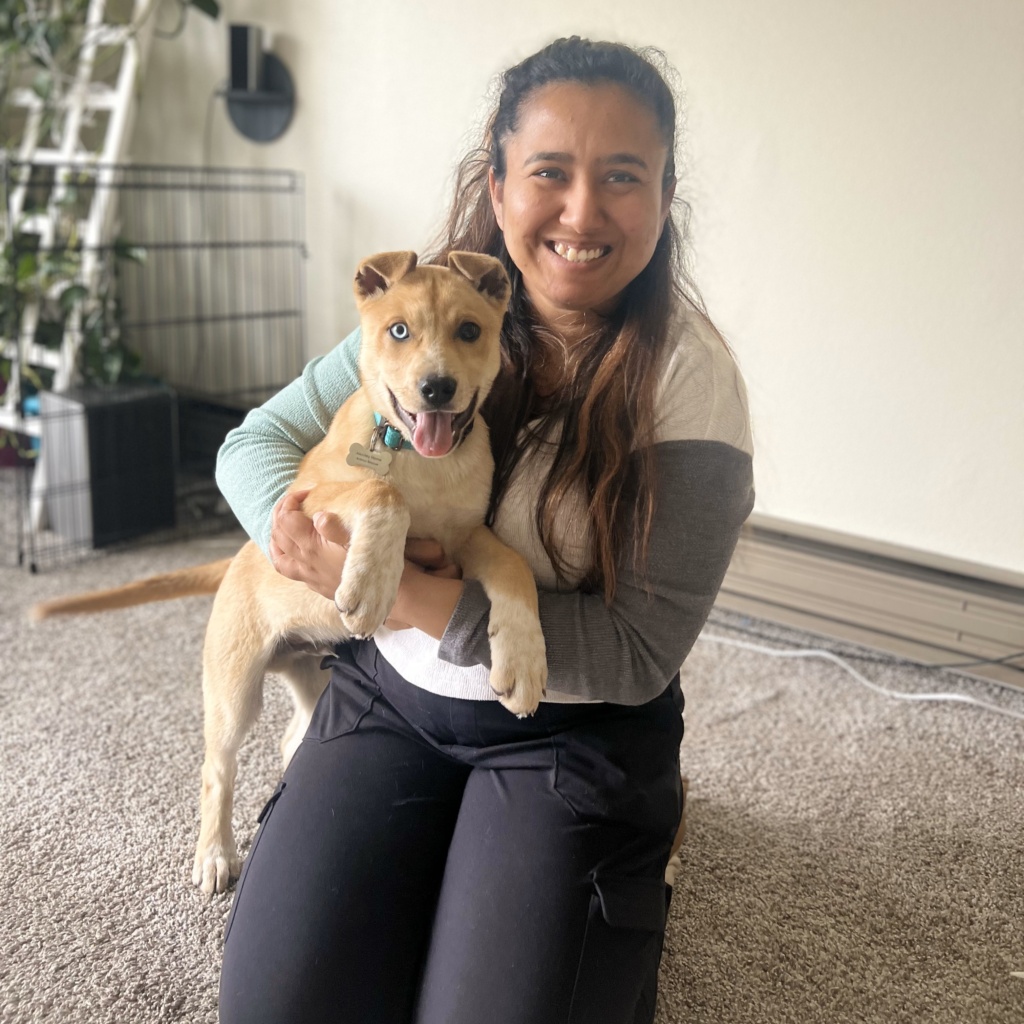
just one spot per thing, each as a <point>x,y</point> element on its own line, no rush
<point>468,331</point>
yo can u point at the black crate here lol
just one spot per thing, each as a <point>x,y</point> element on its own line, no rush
<point>108,463</point>
<point>202,427</point>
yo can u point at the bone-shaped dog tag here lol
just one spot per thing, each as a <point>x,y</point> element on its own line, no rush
<point>379,462</point>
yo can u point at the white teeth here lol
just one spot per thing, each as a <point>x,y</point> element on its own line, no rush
<point>574,255</point>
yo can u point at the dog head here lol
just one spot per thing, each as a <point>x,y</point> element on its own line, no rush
<point>430,342</point>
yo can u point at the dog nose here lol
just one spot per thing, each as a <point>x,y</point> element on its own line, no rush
<point>438,391</point>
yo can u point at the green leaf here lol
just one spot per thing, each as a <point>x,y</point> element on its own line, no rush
<point>28,265</point>
<point>132,362</point>
<point>208,7</point>
<point>112,363</point>
<point>126,251</point>
<point>72,294</point>
<point>42,85</point>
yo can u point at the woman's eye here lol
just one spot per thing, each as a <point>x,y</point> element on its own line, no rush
<point>552,173</point>
<point>468,331</point>
<point>619,177</point>
<point>399,331</point>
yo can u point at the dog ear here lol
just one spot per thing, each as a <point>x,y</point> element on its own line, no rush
<point>376,274</point>
<point>485,273</point>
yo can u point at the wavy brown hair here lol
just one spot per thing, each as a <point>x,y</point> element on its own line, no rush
<point>604,415</point>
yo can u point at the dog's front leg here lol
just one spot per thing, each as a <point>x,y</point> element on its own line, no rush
<point>377,519</point>
<point>519,668</point>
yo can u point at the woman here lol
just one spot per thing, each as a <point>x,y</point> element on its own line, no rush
<point>428,857</point>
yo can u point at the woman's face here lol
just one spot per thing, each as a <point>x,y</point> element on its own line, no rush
<point>582,204</point>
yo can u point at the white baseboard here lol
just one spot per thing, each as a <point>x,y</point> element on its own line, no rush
<point>867,593</point>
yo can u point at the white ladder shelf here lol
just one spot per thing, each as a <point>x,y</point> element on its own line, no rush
<point>77,110</point>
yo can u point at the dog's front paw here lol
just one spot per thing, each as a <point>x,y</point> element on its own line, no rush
<point>519,668</point>
<point>215,867</point>
<point>366,594</point>
<point>360,618</point>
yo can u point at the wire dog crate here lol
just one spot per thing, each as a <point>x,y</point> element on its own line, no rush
<point>197,287</point>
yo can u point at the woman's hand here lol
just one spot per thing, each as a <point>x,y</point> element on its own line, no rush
<point>310,551</point>
<point>424,556</point>
<point>429,556</point>
<point>313,551</point>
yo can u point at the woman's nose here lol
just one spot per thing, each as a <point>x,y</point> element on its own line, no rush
<point>582,210</point>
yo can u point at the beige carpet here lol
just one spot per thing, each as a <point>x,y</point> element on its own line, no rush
<point>850,858</point>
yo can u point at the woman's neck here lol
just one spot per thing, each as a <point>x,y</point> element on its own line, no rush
<point>557,340</point>
<point>549,370</point>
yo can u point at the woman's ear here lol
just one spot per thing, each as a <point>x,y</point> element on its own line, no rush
<point>497,191</point>
<point>667,195</point>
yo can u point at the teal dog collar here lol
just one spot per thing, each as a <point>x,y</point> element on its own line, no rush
<point>391,437</point>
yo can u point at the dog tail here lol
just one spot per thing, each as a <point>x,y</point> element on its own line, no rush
<point>198,579</point>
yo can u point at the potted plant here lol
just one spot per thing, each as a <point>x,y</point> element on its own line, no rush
<point>68,310</point>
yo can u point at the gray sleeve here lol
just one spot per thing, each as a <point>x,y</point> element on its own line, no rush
<point>627,652</point>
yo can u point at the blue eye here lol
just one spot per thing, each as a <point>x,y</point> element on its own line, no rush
<point>399,331</point>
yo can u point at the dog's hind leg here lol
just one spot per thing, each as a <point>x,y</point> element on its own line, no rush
<point>306,680</point>
<point>232,701</point>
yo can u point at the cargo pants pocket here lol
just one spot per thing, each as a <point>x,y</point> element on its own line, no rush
<point>621,950</point>
<point>347,699</point>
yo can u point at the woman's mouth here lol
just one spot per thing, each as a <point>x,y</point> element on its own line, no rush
<point>572,254</point>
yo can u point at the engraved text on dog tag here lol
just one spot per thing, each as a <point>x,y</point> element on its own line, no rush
<point>379,462</point>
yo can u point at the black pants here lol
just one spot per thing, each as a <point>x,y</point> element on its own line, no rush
<point>440,861</point>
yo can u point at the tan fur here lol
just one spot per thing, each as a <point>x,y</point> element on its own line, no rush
<point>190,582</point>
<point>677,842</point>
<point>262,622</point>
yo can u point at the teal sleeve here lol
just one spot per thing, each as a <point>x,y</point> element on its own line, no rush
<point>260,458</point>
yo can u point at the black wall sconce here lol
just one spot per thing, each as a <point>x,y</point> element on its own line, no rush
<point>260,94</point>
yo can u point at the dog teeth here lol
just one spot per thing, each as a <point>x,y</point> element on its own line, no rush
<point>574,255</point>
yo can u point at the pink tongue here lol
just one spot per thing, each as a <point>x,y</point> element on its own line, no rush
<point>433,434</point>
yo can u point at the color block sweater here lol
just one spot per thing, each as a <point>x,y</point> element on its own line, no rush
<point>625,652</point>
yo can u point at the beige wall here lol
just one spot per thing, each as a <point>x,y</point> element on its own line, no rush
<point>855,173</point>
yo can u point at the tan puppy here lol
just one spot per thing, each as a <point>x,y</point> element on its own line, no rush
<point>430,353</point>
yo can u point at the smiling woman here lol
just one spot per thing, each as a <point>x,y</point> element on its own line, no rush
<point>434,858</point>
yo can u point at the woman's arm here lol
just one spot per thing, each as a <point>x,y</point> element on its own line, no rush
<point>260,458</point>
<point>428,600</point>
<point>627,652</point>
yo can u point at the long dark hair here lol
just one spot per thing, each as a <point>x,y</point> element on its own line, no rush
<point>606,409</point>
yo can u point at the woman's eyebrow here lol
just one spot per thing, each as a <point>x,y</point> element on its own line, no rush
<point>545,156</point>
<point>625,158</point>
<point>548,157</point>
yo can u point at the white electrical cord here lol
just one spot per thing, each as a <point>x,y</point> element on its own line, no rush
<point>960,698</point>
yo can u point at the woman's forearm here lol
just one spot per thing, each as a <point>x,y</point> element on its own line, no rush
<point>425,601</point>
